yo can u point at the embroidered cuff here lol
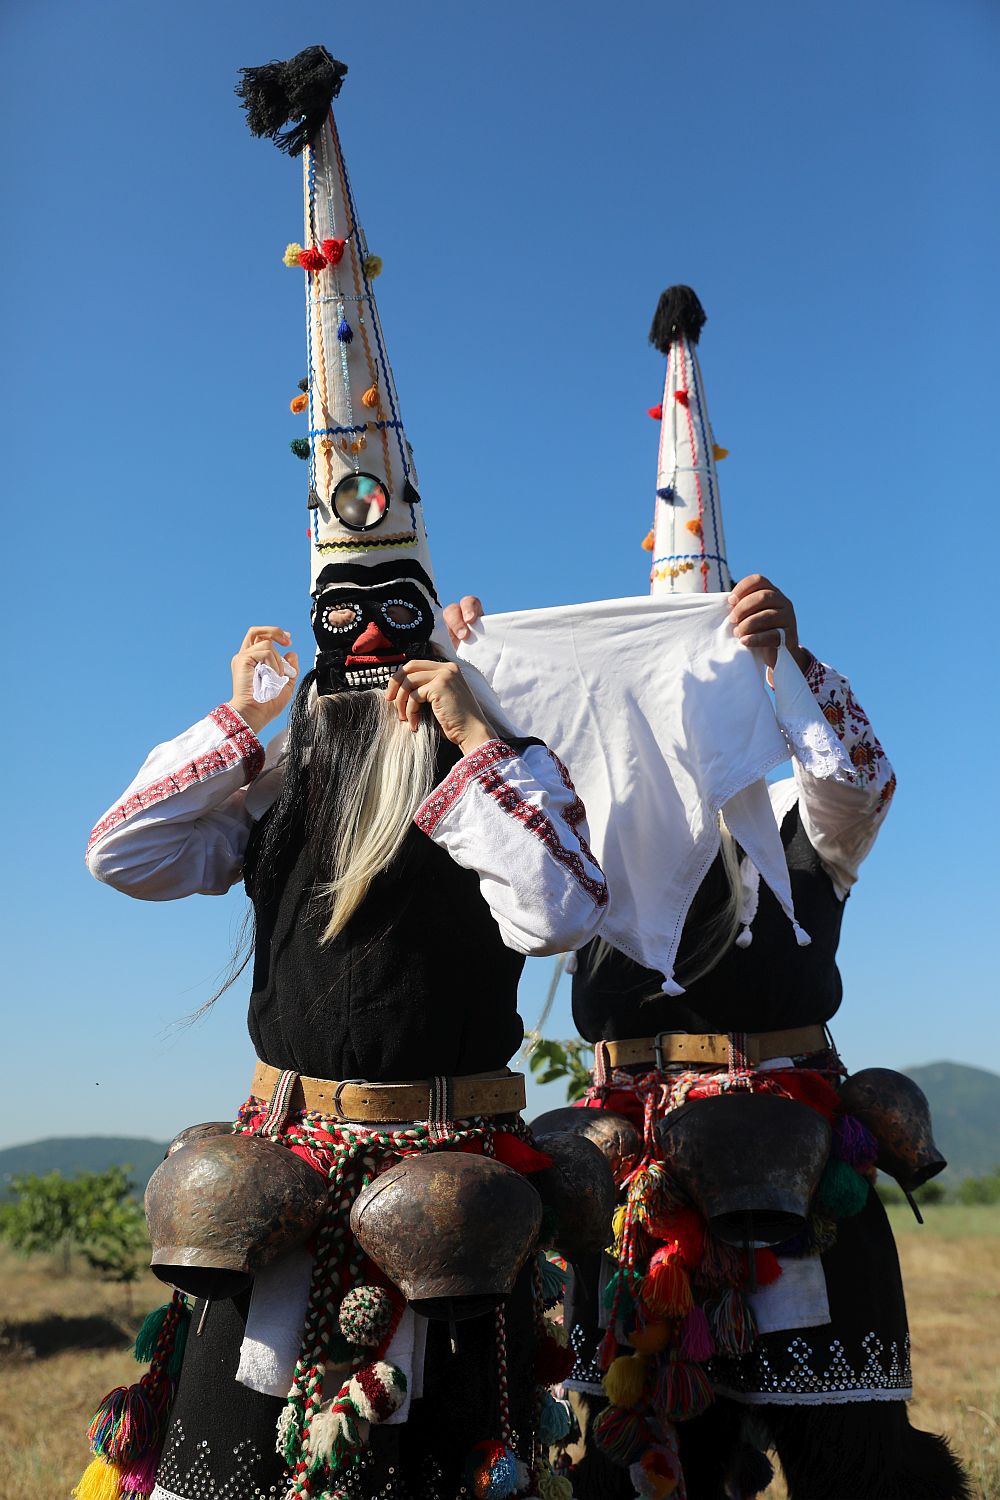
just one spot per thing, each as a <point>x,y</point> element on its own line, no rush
<point>470,768</point>
<point>240,745</point>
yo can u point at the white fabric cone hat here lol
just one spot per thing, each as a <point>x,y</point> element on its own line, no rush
<point>365,510</point>
<point>687,539</point>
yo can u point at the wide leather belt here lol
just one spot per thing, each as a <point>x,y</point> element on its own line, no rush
<point>355,1099</point>
<point>700,1048</point>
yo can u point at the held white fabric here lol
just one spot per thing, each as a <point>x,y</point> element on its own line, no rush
<point>664,719</point>
<point>814,743</point>
<point>277,1314</point>
<point>798,1299</point>
<point>269,684</point>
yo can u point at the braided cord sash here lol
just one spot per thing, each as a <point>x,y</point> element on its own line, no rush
<point>351,1155</point>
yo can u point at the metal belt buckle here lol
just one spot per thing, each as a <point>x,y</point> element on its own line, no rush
<point>343,1084</point>
<point>658,1049</point>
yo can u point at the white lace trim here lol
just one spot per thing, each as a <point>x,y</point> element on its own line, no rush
<point>818,749</point>
<point>811,1398</point>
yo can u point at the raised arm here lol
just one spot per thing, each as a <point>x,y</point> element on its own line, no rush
<point>181,827</point>
<point>841,817</point>
<point>511,814</point>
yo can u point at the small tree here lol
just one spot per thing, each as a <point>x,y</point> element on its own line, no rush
<point>980,1189</point>
<point>93,1213</point>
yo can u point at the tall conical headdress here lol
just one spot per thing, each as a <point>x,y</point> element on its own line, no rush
<point>366,525</point>
<point>687,542</point>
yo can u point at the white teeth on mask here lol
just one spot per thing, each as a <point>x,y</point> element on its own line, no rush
<point>368,676</point>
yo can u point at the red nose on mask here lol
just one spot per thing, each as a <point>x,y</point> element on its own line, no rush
<point>371,642</point>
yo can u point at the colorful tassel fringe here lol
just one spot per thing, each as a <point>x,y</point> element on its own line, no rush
<point>682,1390</point>
<point>622,1434</point>
<point>732,1323</point>
<point>99,1481</point>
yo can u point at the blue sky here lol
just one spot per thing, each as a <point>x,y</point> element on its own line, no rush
<point>533,174</point>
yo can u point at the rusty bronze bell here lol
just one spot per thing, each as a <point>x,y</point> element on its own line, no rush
<point>580,1189</point>
<point>617,1139</point>
<point>220,1207</point>
<point>897,1113</point>
<point>750,1162</point>
<point>449,1229</point>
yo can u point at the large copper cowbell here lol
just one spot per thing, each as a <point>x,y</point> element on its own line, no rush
<point>750,1162</point>
<point>221,1206</point>
<point>897,1113</point>
<point>451,1230</point>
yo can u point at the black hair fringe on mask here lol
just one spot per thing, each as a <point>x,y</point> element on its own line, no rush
<point>295,94</point>
<point>678,314</point>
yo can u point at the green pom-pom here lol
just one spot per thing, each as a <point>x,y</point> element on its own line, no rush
<point>300,447</point>
<point>842,1191</point>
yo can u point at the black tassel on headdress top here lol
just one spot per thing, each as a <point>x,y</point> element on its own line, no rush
<point>295,94</point>
<point>678,314</point>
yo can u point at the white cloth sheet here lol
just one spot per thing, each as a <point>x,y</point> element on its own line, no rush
<point>664,720</point>
<point>273,1336</point>
<point>798,1298</point>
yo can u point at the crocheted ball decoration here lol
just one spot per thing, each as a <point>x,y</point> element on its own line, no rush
<point>377,1391</point>
<point>656,1474</point>
<point>365,1315</point>
<point>492,1471</point>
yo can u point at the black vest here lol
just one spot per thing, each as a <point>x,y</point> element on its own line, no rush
<point>418,983</point>
<point>770,985</point>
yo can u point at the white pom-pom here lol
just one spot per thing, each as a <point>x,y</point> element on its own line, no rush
<point>744,938</point>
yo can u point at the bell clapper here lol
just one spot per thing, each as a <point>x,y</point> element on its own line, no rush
<point>913,1204</point>
<point>203,1318</point>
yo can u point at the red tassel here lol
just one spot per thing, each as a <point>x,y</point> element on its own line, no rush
<point>683,1230</point>
<point>656,412</point>
<point>681,397</point>
<point>767,1267</point>
<point>511,1151</point>
<point>333,251</point>
<point>312,259</point>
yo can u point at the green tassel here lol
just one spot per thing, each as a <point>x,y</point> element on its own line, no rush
<point>148,1336</point>
<point>842,1191</point>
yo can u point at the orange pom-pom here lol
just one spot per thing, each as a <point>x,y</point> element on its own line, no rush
<point>719,453</point>
<point>298,403</point>
<point>369,397</point>
<point>648,542</point>
<point>695,527</point>
<point>666,1290</point>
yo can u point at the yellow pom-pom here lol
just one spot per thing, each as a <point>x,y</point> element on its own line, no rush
<point>625,1380</point>
<point>373,266</point>
<point>719,453</point>
<point>291,256</point>
<point>694,526</point>
<point>299,403</point>
<point>369,397</point>
<point>652,1339</point>
<point>648,542</point>
<point>99,1481</point>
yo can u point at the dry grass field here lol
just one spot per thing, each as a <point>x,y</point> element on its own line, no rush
<point>63,1344</point>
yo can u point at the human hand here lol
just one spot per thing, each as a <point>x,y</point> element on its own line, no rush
<point>759,611</point>
<point>458,617</point>
<point>439,684</point>
<point>257,647</point>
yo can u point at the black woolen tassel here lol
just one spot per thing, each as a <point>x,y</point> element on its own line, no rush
<point>296,94</point>
<point>678,314</point>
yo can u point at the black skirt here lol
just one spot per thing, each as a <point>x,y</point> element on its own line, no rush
<point>221,1436</point>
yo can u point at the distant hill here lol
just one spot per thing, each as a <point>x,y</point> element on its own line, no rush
<point>81,1153</point>
<point>965,1105</point>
